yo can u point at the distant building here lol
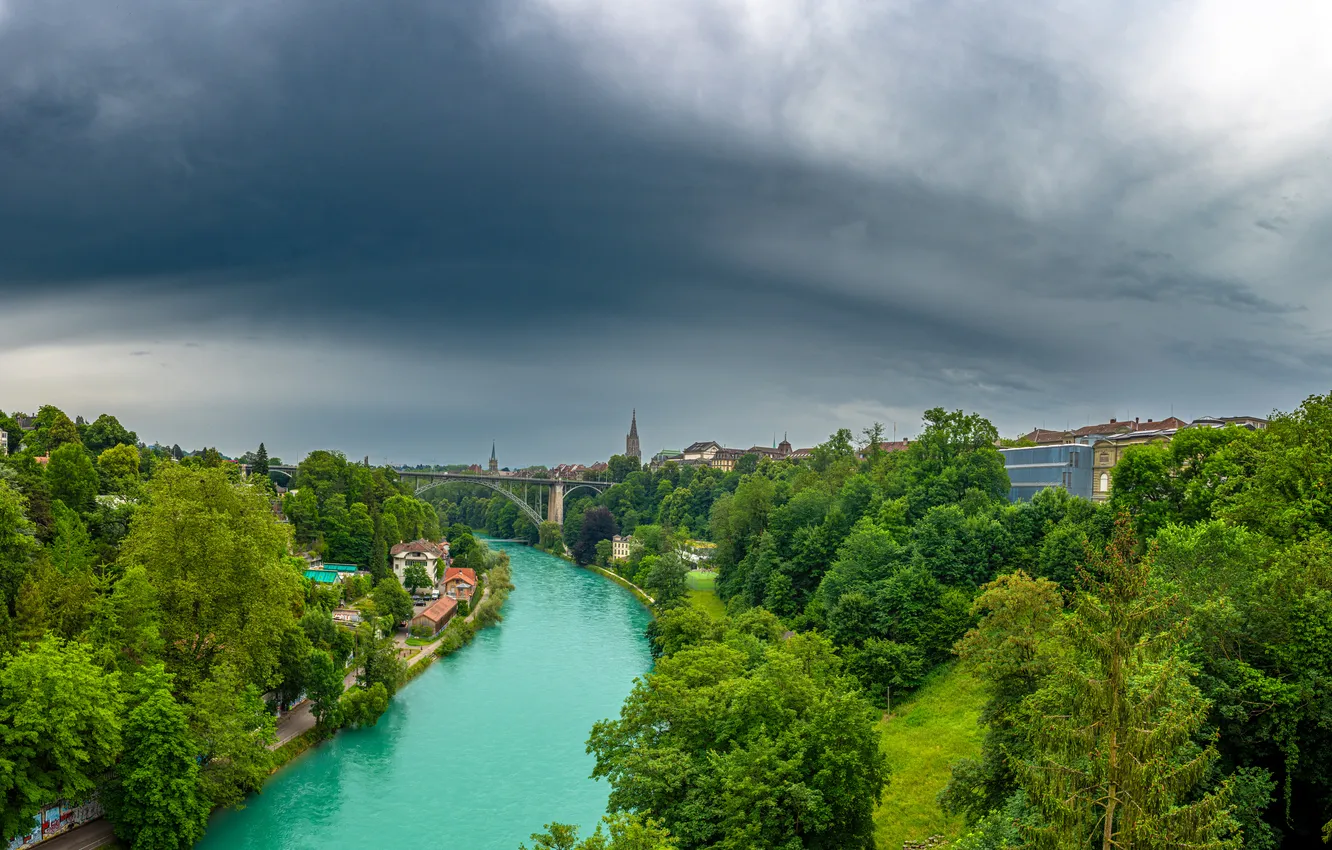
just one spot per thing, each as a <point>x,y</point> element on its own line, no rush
<point>324,576</point>
<point>459,582</point>
<point>622,546</point>
<point>1032,469</point>
<point>423,552</point>
<point>631,448</point>
<point>437,616</point>
<point>1253,423</point>
<point>4,444</point>
<point>891,447</point>
<point>1114,427</point>
<point>494,464</point>
<point>349,616</point>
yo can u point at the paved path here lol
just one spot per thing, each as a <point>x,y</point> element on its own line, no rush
<point>299,719</point>
<point>93,834</point>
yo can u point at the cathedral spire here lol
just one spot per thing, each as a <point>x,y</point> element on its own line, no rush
<point>631,448</point>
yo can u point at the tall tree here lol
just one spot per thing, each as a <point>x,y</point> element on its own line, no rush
<point>598,525</point>
<point>414,576</point>
<point>105,432</point>
<point>17,544</point>
<point>1113,732</point>
<point>324,685</point>
<point>60,729</point>
<point>217,558</point>
<point>155,798</point>
<point>73,477</point>
<point>119,466</point>
<point>261,462</point>
<point>233,729</point>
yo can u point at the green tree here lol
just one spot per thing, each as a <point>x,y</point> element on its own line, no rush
<point>364,706</point>
<point>380,665</point>
<point>233,729</point>
<point>1114,760</point>
<point>119,466</point>
<point>627,832</point>
<point>52,430</point>
<point>17,544</point>
<point>216,556</point>
<point>105,432</point>
<point>549,538</point>
<point>392,600</point>
<point>60,729</point>
<point>73,477</point>
<point>415,576</point>
<point>156,799</point>
<point>261,462</point>
<point>666,581</point>
<point>731,754</point>
<point>323,685</point>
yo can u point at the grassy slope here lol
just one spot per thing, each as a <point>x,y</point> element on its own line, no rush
<point>703,594</point>
<point>927,733</point>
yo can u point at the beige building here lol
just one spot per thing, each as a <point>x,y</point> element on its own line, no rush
<point>1107,452</point>
<point>424,552</point>
<point>621,547</point>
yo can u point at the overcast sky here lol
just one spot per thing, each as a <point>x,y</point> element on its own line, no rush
<point>405,228</point>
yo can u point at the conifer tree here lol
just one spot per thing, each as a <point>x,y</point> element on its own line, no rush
<point>261,462</point>
<point>1115,762</point>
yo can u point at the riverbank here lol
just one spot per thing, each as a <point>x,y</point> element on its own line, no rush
<point>498,732</point>
<point>639,593</point>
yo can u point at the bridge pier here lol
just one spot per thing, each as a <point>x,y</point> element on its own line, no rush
<point>555,507</point>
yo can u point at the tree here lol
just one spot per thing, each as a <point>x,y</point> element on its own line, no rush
<point>119,466</point>
<point>699,747</point>
<point>60,729</point>
<point>549,539</point>
<point>415,576</point>
<point>53,429</point>
<point>392,601</point>
<point>364,706</point>
<point>261,462</point>
<point>666,581</point>
<point>73,478</point>
<point>627,832</point>
<point>233,729</point>
<point>598,524</point>
<point>323,684</point>
<point>156,800</point>
<point>1112,732</point>
<point>105,432</point>
<point>217,558</point>
<point>380,665</point>
<point>17,543</point>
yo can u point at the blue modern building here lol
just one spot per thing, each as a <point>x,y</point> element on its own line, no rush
<point>1034,468</point>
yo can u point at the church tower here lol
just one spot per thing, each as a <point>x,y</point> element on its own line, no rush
<point>494,464</point>
<point>631,448</point>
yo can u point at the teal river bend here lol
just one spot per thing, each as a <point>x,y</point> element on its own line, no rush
<point>480,750</point>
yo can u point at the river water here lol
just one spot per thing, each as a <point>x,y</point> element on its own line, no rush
<point>480,750</point>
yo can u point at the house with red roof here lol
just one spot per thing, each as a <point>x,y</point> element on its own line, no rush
<point>437,616</point>
<point>459,583</point>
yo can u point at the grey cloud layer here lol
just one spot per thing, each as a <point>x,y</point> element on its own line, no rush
<point>844,203</point>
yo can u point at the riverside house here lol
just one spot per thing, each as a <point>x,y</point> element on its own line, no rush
<point>459,583</point>
<point>423,552</point>
<point>437,616</point>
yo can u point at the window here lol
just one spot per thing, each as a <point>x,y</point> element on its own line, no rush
<point>1073,459</point>
<point>1105,457</point>
<point>1105,482</point>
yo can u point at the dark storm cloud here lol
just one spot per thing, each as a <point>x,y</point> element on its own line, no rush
<point>931,208</point>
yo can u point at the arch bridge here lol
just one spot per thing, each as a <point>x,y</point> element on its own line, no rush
<point>538,498</point>
<point>533,496</point>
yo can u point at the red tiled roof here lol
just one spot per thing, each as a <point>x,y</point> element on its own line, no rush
<point>467,574</point>
<point>439,611</point>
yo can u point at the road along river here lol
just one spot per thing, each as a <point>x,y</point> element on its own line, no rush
<point>480,750</point>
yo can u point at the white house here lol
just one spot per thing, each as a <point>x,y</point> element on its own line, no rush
<point>423,552</point>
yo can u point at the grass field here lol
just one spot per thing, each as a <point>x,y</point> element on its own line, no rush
<point>927,733</point>
<point>703,593</point>
<point>701,580</point>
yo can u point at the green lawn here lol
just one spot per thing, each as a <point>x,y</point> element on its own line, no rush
<point>708,602</point>
<point>701,580</point>
<point>927,733</point>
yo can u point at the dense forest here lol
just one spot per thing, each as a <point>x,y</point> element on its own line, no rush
<point>1157,667</point>
<point>153,614</point>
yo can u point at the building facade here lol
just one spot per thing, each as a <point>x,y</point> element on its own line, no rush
<point>437,616</point>
<point>4,444</point>
<point>621,547</point>
<point>1032,469</point>
<point>424,552</point>
<point>459,583</point>
<point>631,448</point>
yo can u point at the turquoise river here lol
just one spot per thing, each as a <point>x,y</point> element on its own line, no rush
<point>480,750</point>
